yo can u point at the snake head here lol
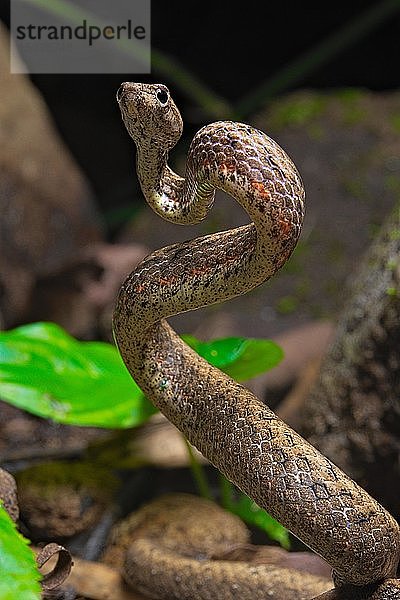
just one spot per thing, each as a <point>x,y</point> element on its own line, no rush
<point>149,113</point>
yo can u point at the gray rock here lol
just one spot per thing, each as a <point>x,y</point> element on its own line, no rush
<point>47,212</point>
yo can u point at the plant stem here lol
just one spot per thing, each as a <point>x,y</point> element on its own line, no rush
<point>198,473</point>
<point>212,104</point>
<point>225,492</point>
<point>311,60</point>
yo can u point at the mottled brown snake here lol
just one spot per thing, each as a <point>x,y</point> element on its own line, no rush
<point>239,434</point>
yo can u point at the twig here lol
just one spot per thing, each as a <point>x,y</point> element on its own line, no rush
<point>310,61</point>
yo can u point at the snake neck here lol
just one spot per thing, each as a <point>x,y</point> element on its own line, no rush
<point>151,166</point>
<point>175,198</point>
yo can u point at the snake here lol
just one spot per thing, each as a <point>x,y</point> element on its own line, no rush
<point>238,433</point>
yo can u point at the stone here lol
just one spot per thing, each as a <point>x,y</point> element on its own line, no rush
<point>47,210</point>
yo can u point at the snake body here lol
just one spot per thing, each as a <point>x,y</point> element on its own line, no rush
<point>238,433</point>
<point>187,542</point>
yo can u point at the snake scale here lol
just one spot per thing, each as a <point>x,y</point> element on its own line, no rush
<point>237,433</point>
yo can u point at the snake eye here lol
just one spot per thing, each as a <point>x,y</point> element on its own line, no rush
<point>162,96</point>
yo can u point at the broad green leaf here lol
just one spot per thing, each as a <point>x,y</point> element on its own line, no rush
<point>49,373</point>
<point>19,576</point>
<point>240,358</point>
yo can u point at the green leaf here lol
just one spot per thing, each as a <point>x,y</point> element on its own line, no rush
<point>50,374</point>
<point>19,576</point>
<point>240,358</point>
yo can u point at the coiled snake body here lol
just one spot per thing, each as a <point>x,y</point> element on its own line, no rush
<point>238,434</point>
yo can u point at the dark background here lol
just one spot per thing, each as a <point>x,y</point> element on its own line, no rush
<point>230,47</point>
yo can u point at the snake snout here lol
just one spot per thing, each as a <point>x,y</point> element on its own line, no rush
<point>124,87</point>
<point>127,87</point>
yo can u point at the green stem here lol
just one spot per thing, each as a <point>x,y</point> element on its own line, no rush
<point>212,105</point>
<point>319,55</point>
<point>198,473</point>
<point>225,492</point>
